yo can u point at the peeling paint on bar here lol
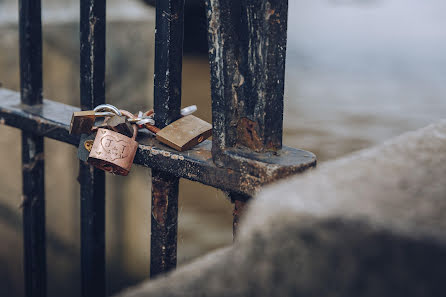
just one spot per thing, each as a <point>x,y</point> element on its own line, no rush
<point>154,151</point>
<point>167,105</point>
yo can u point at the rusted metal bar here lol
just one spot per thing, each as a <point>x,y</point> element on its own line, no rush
<point>247,45</point>
<point>247,48</point>
<point>264,31</point>
<point>167,105</point>
<point>239,201</point>
<point>52,119</point>
<point>168,61</point>
<point>163,244</point>
<point>34,214</point>
<point>226,78</point>
<point>33,174</point>
<point>92,180</point>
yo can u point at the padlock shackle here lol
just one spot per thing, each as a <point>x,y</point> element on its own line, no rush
<point>108,107</point>
<point>147,125</point>
<point>188,110</point>
<point>131,116</point>
<point>104,114</point>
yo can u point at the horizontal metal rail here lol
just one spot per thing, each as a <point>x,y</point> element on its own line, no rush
<point>52,119</point>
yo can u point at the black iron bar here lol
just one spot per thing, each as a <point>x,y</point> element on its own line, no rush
<point>164,222</point>
<point>247,49</point>
<point>92,180</point>
<point>167,105</point>
<point>30,24</point>
<point>264,32</point>
<point>240,201</point>
<point>52,120</point>
<point>224,59</point>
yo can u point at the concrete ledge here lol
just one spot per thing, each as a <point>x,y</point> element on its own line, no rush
<point>370,224</point>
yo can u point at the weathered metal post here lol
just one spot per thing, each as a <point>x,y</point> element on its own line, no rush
<point>92,180</point>
<point>33,170</point>
<point>247,47</point>
<point>167,104</point>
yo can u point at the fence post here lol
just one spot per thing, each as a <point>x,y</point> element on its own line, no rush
<point>247,47</point>
<point>167,105</point>
<point>33,174</point>
<point>92,180</point>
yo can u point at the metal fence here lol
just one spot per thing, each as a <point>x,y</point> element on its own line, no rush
<point>247,45</point>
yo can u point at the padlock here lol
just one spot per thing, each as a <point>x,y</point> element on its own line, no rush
<point>185,133</point>
<point>120,124</point>
<point>85,145</point>
<point>83,121</point>
<point>113,152</point>
<point>86,140</point>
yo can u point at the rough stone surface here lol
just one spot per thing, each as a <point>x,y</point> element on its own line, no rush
<point>370,224</point>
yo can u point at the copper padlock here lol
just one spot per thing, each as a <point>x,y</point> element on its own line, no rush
<point>113,152</point>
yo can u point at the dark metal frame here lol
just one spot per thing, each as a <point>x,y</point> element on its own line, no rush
<point>247,42</point>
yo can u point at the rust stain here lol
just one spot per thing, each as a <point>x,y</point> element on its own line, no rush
<point>248,134</point>
<point>160,200</point>
<point>239,208</point>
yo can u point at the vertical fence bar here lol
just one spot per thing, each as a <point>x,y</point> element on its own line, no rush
<point>247,49</point>
<point>224,59</point>
<point>239,201</point>
<point>30,26</point>
<point>167,105</point>
<point>92,180</point>
<point>264,31</point>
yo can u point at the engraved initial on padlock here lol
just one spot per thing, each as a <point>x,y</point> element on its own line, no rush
<point>113,152</point>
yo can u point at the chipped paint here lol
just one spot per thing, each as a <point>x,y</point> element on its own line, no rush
<point>155,151</point>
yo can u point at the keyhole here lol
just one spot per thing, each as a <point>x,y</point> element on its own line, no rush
<point>88,144</point>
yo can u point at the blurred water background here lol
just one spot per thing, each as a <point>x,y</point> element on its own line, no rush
<point>358,72</point>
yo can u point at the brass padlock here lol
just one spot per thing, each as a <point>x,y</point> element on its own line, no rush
<point>185,133</point>
<point>86,140</point>
<point>113,152</point>
<point>83,121</point>
<point>85,145</point>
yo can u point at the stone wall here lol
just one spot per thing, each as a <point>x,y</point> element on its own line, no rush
<point>369,224</point>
